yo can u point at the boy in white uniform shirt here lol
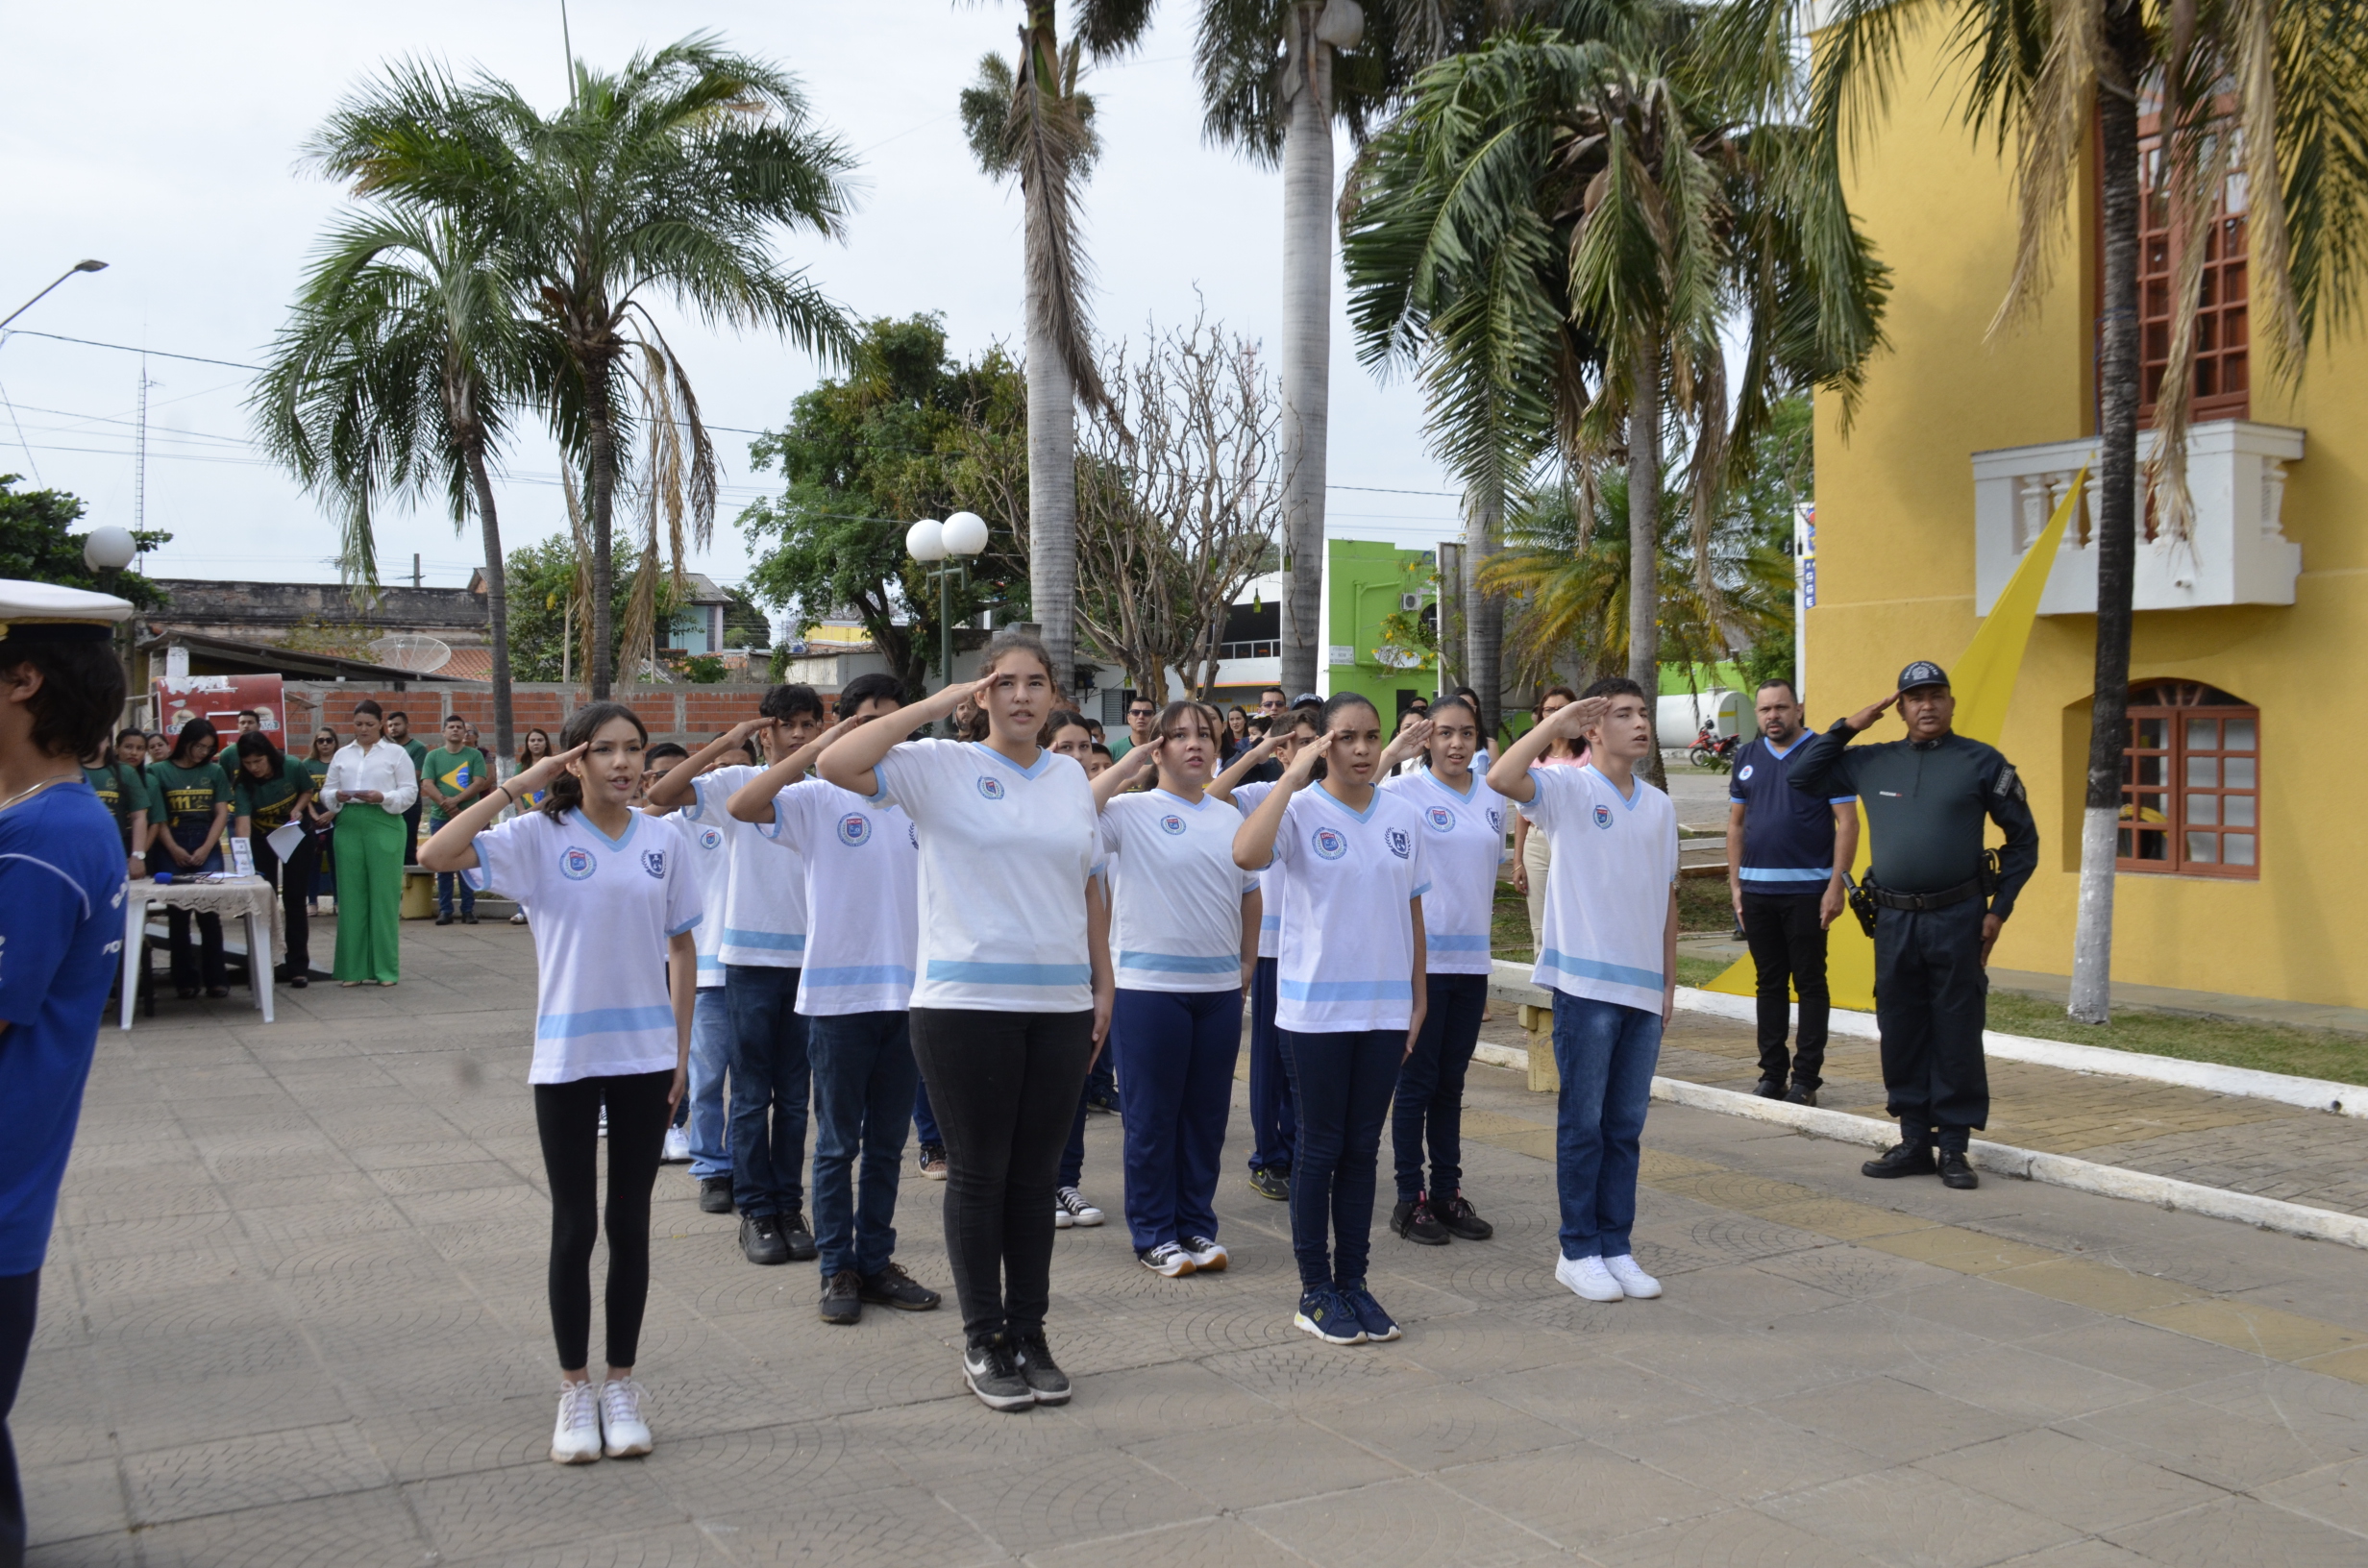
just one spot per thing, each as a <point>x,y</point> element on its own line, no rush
<point>762,946</point>
<point>862,866</point>
<point>1608,954</point>
<point>699,1133</point>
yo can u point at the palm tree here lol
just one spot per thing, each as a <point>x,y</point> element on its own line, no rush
<point>671,177</point>
<point>1030,120</point>
<point>2274,88</point>
<point>1557,232</point>
<point>402,369</point>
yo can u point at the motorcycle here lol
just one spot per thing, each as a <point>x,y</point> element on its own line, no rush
<point>1713,751</point>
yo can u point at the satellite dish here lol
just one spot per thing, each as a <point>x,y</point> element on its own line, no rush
<point>411,651</point>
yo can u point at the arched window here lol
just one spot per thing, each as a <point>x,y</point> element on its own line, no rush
<point>2191,782</point>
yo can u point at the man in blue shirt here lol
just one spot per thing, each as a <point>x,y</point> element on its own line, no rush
<point>1787,866</point>
<point>62,882</point>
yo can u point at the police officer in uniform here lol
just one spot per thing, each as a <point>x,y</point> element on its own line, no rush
<point>1937,907</point>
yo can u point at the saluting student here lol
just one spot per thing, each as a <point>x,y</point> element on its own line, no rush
<point>1066,736</point>
<point>614,905</point>
<point>1184,935</point>
<point>1350,983</point>
<point>1463,840</point>
<point>1013,993</point>
<point>862,865</point>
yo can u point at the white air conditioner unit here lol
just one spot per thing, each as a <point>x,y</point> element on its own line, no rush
<point>1409,603</point>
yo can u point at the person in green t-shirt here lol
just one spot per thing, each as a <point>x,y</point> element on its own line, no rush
<point>121,782</point>
<point>398,731</point>
<point>451,778</point>
<point>190,809</point>
<point>273,791</point>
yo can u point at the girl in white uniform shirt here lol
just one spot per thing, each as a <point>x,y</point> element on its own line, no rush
<point>1184,934</point>
<point>1013,993</point>
<point>614,902</point>
<point>1464,839</point>
<point>1350,997</point>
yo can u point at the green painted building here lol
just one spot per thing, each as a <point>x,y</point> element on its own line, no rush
<point>1365,583</point>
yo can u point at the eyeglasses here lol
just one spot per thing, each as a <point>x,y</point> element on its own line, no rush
<point>1138,713</point>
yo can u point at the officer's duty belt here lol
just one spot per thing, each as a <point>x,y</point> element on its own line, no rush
<point>1958,895</point>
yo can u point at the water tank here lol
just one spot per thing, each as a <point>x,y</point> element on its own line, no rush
<point>1681,717</point>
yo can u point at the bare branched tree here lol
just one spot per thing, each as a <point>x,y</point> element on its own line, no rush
<point>1178,500</point>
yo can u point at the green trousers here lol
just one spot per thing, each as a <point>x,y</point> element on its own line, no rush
<point>369,847</point>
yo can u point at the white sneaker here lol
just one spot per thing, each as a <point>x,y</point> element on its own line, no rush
<point>677,1148</point>
<point>1061,1219</point>
<point>1587,1279</point>
<point>1071,1202</point>
<point>1167,1258</point>
<point>576,1438</point>
<point>1633,1280</point>
<point>623,1434</point>
<point>1207,1256</point>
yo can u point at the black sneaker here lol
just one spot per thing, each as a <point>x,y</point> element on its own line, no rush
<point>1271,1184</point>
<point>1769,1089</point>
<point>1043,1373</point>
<point>841,1298</point>
<point>1801,1095</point>
<point>444,919</point>
<point>715,1194</point>
<point>1957,1171</point>
<point>892,1286</point>
<point>1902,1160</point>
<point>932,1161</point>
<point>1416,1222</point>
<point>796,1236</point>
<point>1459,1216</point>
<point>993,1374</point>
<point>760,1239</point>
<point>470,918</point>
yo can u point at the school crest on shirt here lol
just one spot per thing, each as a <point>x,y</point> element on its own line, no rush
<point>854,828</point>
<point>990,788</point>
<point>576,863</point>
<point>1401,842</point>
<point>1440,819</point>
<point>1743,775</point>
<point>1330,842</point>
<point>1496,821</point>
<point>653,861</point>
<point>1603,815</point>
<point>1171,824</point>
<point>711,838</point>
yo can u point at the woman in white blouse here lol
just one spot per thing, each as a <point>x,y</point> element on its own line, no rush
<point>374,777</point>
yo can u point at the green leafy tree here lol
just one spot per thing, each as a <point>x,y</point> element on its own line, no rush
<point>673,177</point>
<point>907,434</point>
<point>545,581</point>
<point>34,545</point>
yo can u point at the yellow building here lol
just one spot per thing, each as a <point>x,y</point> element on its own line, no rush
<point>2242,870</point>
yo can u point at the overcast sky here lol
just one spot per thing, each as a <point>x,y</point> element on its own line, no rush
<point>162,139</point>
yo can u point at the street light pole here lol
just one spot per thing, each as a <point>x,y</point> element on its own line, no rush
<point>79,266</point>
<point>930,542</point>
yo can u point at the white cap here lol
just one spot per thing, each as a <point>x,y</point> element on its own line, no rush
<point>33,609</point>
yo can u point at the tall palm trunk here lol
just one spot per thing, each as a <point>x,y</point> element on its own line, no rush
<point>1484,617</point>
<point>1051,459</point>
<point>1644,548</point>
<point>1307,338</point>
<point>497,605</point>
<point>602,444</point>
<point>2116,543</point>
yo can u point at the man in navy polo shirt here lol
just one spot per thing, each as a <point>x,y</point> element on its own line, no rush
<point>1787,866</point>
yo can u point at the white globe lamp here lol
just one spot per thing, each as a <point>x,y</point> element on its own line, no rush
<point>966,534</point>
<point>110,548</point>
<point>925,540</point>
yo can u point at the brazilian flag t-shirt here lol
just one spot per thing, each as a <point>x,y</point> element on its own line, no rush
<point>446,773</point>
<point>188,795</point>
<point>269,802</point>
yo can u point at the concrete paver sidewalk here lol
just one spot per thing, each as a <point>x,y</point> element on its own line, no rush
<point>294,1314</point>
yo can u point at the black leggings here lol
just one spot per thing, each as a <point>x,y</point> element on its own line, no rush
<point>1004,1086</point>
<point>568,1118</point>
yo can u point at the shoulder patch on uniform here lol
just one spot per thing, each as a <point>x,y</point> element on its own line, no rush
<point>2010,784</point>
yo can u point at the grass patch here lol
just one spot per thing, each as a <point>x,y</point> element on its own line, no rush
<point>2267,1047</point>
<point>1508,926</point>
<point>1702,904</point>
<point>1699,971</point>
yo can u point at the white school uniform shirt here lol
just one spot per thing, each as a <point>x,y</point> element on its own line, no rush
<point>603,910</point>
<point>1246,798</point>
<point>385,766</point>
<point>709,854</point>
<point>1005,852</point>
<point>764,924</point>
<point>1347,937</point>
<point>862,869</point>
<point>1608,888</point>
<point>1464,839</point>
<point>1177,922</point>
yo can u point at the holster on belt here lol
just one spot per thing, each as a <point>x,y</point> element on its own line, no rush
<point>1862,905</point>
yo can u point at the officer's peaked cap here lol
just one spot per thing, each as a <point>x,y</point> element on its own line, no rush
<point>1922,672</point>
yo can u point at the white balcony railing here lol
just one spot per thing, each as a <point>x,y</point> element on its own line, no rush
<point>2238,554</point>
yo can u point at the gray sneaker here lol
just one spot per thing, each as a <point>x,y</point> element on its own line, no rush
<point>1043,1373</point>
<point>993,1373</point>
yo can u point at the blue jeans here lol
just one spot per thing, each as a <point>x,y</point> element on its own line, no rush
<point>702,1100</point>
<point>924,1119</point>
<point>863,1095</point>
<point>1341,1084</point>
<point>1606,1054</point>
<point>1274,1131</point>
<point>769,1083</point>
<point>1430,1087</point>
<point>1176,1050</point>
<point>444,881</point>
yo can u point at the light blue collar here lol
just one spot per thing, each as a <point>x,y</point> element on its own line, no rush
<point>1628,802</point>
<point>1787,750</point>
<point>632,820</point>
<point>1464,795</point>
<point>1365,816</point>
<point>1043,760</point>
<point>1189,805</point>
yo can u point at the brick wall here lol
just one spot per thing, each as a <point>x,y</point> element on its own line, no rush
<point>690,713</point>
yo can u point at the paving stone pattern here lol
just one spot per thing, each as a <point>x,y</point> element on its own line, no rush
<point>294,1315</point>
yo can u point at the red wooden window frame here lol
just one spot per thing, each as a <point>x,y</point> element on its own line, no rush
<point>2191,783</point>
<point>2224,298</point>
